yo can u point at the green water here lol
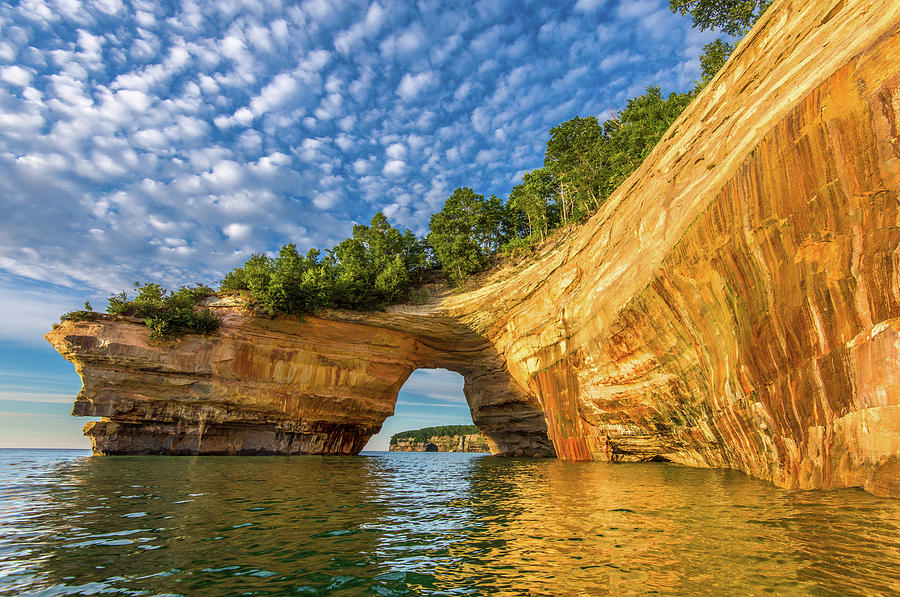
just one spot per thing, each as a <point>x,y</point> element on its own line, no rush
<point>428,524</point>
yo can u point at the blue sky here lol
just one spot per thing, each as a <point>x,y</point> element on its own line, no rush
<point>168,141</point>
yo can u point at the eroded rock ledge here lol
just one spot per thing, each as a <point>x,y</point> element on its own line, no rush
<point>283,385</point>
<point>736,303</point>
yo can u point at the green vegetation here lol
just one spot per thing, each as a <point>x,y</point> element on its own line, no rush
<point>376,266</point>
<point>466,230</point>
<point>584,162</point>
<point>734,17</point>
<point>423,435</point>
<point>167,314</point>
<point>712,60</point>
<point>86,314</point>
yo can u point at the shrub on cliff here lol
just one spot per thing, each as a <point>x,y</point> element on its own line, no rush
<point>734,17</point>
<point>86,314</point>
<point>466,231</point>
<point>167,314</point>
<point>376,266</point>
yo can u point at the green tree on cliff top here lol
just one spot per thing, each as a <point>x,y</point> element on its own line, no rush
<point>466,231</point>
<point>734,17</point>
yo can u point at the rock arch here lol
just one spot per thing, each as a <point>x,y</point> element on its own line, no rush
<point>323,385</point>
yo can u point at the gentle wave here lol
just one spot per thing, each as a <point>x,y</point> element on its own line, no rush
<point>428,524</point>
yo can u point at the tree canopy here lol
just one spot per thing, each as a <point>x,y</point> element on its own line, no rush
<point>466,231</point>
<point>423,435</point>
<point>376,266</point>
<point>734,17</point>
<point>712,60</point>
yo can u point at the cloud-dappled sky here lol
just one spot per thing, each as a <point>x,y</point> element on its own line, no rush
<point>168,141</point>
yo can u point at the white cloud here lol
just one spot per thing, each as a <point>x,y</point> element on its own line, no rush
<point>225,175</point>
<point>396,151</point>
<point>320,10</point>
<point>361,166</point>
<point>345,41</point>
<point>463,90</point>
<point>276,93</point>
<point>480,120</point>
<point>237,232</point>
<point>16,75</point>
<point>438,384</point>
<point>394,167</point>
<point>637,8</point>
<point>233,47</point>
<point>347,122</point>
<point>589,5</point>
<point>613,60</point>
<point>326,199</point>
<point>7,51</point>
<point>489,40</point>
<point>412,85</point>
<point>243,116</point>
<point>487,156</point>
<point>412,39</point>
<point>134,99</point>
<point>110,7</point>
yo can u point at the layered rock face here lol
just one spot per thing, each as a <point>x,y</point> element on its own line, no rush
<point>283,386</point>
<point>442,443</point>
<point>736,303</point>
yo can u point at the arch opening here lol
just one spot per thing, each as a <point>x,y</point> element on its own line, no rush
<point>505,419</point>
<point>431,414</point>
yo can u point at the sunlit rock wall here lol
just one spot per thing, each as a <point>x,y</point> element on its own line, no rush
<point>736,303</point>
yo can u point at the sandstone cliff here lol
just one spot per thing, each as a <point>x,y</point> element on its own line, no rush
<point>442,443</point>
<point>736,303</point>
<point>286,386</point>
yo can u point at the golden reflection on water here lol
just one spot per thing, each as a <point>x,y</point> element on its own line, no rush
<point>421,524</point>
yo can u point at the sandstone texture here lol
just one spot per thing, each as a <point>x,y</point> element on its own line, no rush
<point>283,385</point>
<point>443,443</point>
<point>736,303</point>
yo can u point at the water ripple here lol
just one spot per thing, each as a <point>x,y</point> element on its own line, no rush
<point>428,524</point>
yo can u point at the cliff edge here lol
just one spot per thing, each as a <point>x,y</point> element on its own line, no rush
<point>735,303</point>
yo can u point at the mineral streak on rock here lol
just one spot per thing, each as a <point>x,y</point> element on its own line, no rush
<point>736,303</point>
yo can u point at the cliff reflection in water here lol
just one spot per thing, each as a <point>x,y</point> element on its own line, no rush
<point>414,523</point>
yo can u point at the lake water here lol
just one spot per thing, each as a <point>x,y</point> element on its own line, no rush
<point>428,524</point>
